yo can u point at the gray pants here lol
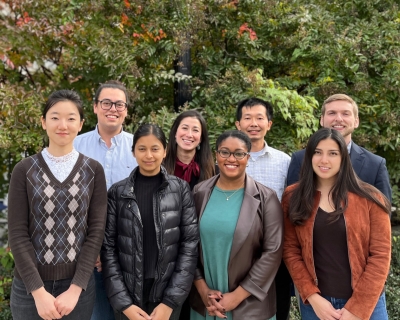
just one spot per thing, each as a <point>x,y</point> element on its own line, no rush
<point>23,305</point>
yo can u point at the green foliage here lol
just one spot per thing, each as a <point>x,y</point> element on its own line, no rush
<point>6,273</point>
<point>393,282</point>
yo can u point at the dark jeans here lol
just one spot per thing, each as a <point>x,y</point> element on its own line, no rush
<point>282,284</point>
<point>148,308</point>
<point>102,309</point>
<point>23,305</point>
<point>379,313</point>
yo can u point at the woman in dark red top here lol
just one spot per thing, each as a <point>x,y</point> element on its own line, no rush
<point>189,154</point>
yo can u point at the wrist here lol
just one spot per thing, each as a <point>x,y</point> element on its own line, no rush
<point>75,289</point>
<point>36,293</point>
<point>241,294</point>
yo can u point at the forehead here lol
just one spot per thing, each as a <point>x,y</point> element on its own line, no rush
<point>112,94</point>
<point>339,106</point>
<point>328,144</point>
<point>67,107</point>
<point>254,110</point>
<point>149,140</point>
<point>190,121</point>
<point>232,143</point>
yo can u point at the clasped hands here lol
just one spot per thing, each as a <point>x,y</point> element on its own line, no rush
<point>218,304</point>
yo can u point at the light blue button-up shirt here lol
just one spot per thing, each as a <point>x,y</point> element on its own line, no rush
<point>117,161</point>
<point>269,166</point>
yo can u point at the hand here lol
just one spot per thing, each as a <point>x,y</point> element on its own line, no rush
<point>44,302</point>
<point>97,264</point>
<point>210,298</point>
<point>347,315</point>
<point>67,300</point>
<point>161,312</point>
<point>135,313</point>
<point>323,308</point>
<point>231,300</point>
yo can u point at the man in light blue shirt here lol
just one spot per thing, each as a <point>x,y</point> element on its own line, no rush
<point>268,166</point>
<point>110,145</point>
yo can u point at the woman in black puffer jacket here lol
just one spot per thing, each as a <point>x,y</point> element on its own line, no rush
<point>149,252</point>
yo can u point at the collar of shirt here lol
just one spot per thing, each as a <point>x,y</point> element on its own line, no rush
<point>349,146</point>
<point>116,140</point>
<point>254,155</point>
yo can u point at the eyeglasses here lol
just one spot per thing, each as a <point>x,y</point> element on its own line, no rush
<point>226,154</point>
<point>106,104</point>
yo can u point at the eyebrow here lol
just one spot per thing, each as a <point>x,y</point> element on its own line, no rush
<point>70,114</point>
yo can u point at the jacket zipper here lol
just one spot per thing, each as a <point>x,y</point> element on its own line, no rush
<point>157,277</point>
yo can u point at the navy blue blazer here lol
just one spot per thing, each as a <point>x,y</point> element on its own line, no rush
<point>369,167</point>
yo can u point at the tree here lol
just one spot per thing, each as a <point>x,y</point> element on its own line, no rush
<point>294,53</point>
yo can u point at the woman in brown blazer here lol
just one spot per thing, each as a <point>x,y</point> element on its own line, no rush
<point>241,230</point>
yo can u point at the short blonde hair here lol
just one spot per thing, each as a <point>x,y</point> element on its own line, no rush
<point>340,97</point>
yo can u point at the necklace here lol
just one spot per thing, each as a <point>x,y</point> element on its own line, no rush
<point>230,196</point>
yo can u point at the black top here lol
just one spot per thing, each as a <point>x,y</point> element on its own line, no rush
<point>146,187</point>
<point>331,258</point>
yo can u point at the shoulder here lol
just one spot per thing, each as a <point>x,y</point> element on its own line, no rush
<point>127,135</point>
<point>367,154</point>
<point>90,162</point>
<point>299,154</point>
<point>287,194</point>
<point>206,184</point>
<point>279,153</point>
<point>25,164</point>
<point>83,136</point>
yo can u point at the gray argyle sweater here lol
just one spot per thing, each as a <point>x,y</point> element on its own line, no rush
<point>56,229</point>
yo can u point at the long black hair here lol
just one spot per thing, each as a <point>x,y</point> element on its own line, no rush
<point>302,199</point>
<point>203,156</point>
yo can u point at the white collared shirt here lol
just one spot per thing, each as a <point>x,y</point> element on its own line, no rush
<point>269,166</point>
<point>117,161</point>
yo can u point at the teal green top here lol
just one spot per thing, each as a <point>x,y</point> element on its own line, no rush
<point>217,227</point>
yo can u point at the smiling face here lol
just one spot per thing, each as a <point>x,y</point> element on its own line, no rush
<point>110,121</point>
<point>231,168</point>
<point>62,124</point>
<point>188,134</point>
<point>326,160</point>
<point>149,153</point>
<point>254,122</point>
<point>339,115</point>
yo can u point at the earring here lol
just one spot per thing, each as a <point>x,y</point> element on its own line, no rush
<point>198,147</point>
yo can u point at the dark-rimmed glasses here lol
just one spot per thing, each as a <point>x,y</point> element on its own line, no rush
<point>106,104</point>
<point>237,154</point>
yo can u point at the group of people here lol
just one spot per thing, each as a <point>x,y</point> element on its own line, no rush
<point>112,225</point>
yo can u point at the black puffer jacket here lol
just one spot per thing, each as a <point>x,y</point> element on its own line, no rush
<point>177,238</point>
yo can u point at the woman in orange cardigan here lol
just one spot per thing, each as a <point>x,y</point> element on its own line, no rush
<point>337,235</point>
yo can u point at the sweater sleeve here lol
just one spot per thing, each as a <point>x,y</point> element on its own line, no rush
<point>369,286</point>
<point>18,229</point>
<point>95,232</point>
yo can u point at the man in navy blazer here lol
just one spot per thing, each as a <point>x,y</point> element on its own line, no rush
<point>340,112</point>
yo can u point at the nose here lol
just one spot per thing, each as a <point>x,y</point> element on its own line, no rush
<point>113,105</point>
<point>338,117</point>
<point>324,158</point>
<point>231,157</point>
<point>62,124</point>
<point>254,122</point>
<point>148,154</point>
